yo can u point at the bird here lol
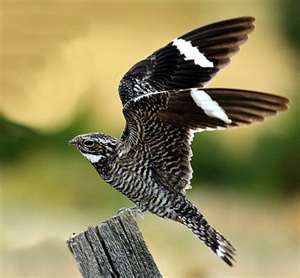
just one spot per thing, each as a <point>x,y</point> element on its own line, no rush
<point>165,102</point>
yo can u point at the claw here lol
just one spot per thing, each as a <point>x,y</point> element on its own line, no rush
<point>134,211</point>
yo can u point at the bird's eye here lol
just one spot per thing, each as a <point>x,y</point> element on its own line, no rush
<point>88,143</point>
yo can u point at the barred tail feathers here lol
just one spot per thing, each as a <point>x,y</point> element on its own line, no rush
<point>196,222</point>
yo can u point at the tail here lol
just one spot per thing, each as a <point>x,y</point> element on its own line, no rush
<point>194,220</point>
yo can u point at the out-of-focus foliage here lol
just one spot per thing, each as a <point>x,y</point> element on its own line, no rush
<point>290,18</point>
<point>16,140</point>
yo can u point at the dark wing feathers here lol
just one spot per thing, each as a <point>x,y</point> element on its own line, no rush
<point>188,61</point>
<point>234,25</point>
<point>240,106</point>
<point>219,41</point>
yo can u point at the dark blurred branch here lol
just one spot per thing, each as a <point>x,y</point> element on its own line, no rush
<point>114,248</point>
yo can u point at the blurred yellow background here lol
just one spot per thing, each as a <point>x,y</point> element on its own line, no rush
<point>60,64</point>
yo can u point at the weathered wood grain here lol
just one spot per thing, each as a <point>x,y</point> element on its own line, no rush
<point>114,248</point>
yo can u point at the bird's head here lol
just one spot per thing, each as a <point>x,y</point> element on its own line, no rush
<point>96,147</point>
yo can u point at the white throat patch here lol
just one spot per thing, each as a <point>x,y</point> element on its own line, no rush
<point>92,157</point>
<point>210,107</point>
<point>192,53</point>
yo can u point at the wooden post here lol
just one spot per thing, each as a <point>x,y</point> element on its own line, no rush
<point>114,248</point>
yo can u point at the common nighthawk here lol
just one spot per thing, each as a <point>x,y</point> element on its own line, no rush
<point>164,104</point>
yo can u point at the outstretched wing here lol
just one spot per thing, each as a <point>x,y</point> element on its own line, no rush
<point>164,122</point>
<point>188,61</point>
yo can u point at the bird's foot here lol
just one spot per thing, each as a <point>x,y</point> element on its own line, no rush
<point>121,210</point>
<point>134,211</point>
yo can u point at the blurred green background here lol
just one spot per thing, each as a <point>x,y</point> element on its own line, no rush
<point>61,62</point>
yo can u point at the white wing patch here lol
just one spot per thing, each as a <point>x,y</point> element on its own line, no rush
<point>210,107</point>
<point>192,53</point>
<point>92,157</point>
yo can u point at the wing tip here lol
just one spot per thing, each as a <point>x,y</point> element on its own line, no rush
<point>249,18</point>
<point>241,19</point>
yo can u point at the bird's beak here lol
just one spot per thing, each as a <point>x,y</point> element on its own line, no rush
<point>73,141</point>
